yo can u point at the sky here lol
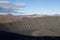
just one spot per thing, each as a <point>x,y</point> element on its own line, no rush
<point>42,7</point>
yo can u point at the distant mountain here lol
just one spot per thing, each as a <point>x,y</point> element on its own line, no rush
<point>56,15</point>
<point>35,14</point>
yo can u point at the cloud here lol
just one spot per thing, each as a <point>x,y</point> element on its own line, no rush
<point>6,5</point>
<point>18,7</point>
<point>21,5</point>
<point>2,10</point>
<point>4,2</point>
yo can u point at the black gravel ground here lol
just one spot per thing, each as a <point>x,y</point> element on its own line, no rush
<point>13,36</point>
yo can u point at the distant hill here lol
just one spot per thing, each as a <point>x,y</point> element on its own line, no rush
<point>10,18</point>
<point>6,18</point>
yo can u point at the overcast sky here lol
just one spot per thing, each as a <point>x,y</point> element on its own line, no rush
<point>39,6</point>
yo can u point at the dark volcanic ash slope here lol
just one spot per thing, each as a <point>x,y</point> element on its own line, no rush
<point>38,26</point>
